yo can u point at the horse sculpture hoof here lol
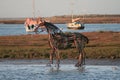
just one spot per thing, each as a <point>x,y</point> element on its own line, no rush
<point>77,65</point>
<point>48,65</point>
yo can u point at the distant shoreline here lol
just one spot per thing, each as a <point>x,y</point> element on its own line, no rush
<point>67,18</point>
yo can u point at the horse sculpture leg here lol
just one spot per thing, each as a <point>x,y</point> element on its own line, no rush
<point>78,44</point>
<point>55,52</point>
<point>51,56</point>
<point>84,55</point>
<point>79,57</point>
<point>80,60</point>
<point>52,52</point>
<point>57,59</point>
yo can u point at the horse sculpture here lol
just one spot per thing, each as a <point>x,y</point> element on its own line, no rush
<point>58,40</point>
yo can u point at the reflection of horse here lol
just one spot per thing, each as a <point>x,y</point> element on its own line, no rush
<point>58,40</point>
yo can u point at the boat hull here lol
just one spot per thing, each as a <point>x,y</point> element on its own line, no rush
<point>71,27</point>
<point>29,29</point>
<point>75,26</point>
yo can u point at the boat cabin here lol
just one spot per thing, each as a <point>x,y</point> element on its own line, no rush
<point>31,25</point>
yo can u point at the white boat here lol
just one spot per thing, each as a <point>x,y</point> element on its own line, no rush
<point>31,28</point>
<point>28,26</point>
<point>75,24</point>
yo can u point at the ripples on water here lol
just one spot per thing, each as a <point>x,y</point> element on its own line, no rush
<point>66,72</point>
<point>18,29</point>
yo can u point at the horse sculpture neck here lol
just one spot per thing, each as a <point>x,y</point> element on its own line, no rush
<point>52,28</point>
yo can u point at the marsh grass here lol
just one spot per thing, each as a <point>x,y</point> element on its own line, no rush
<point>32,52</point>
<point>37,47</point>
<point>103,52</point>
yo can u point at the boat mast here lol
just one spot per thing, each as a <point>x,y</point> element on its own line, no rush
<point>33,5</point>
<point>72,3</point>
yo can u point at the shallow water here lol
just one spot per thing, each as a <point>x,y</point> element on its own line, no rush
<point>66,72</point>
<point>23,71</point>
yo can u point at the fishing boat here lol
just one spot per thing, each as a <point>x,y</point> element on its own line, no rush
<point>31,23</point>
<point>75,24</point>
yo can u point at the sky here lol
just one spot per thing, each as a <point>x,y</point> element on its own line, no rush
<point>48,8</point>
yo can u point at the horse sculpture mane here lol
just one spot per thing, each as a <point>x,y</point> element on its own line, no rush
<point>52,28</point>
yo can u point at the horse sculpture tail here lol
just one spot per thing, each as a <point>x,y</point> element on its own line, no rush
<point>86,39</point>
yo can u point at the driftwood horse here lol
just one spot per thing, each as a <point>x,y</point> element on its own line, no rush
<point>57,40</point>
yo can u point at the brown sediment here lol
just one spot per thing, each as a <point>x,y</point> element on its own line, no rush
<point>101,45</point>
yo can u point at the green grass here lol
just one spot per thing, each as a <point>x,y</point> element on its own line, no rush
<point>103,52</point>
<point>36,52</point>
